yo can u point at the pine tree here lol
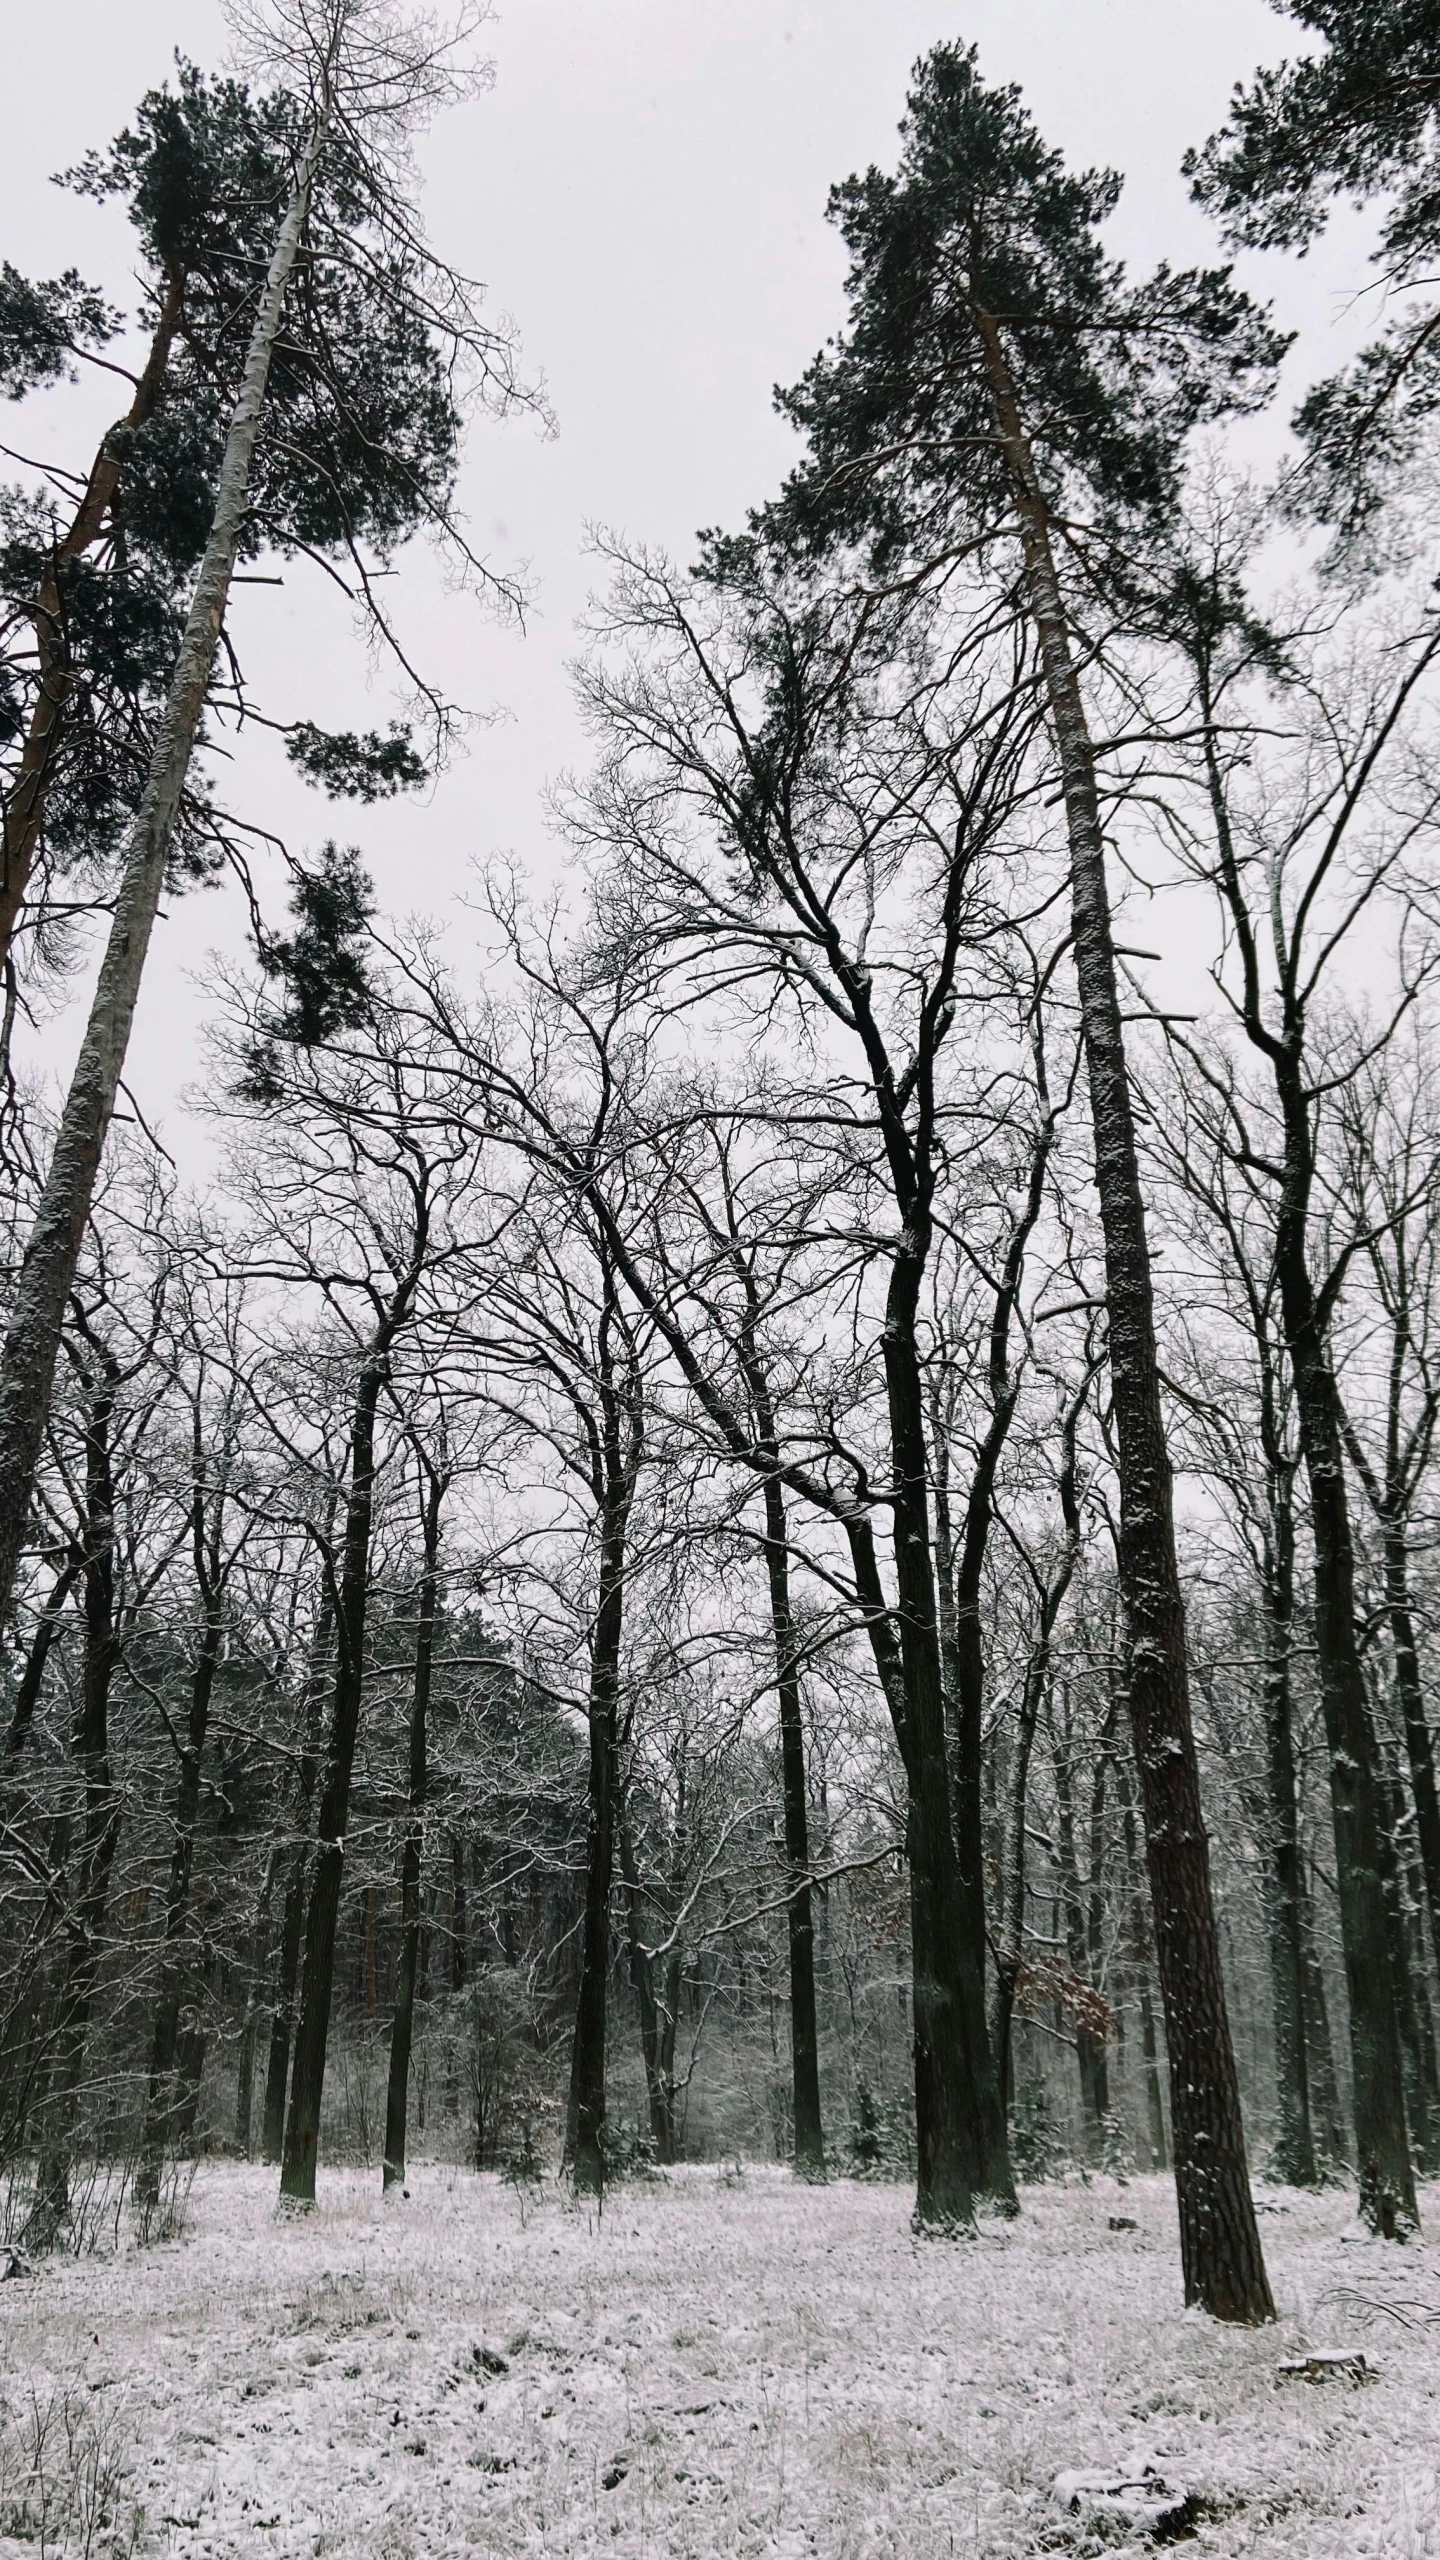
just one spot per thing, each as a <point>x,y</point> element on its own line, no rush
<point>341,438</point>
<point>999,376</point>
<point>1359,117</point>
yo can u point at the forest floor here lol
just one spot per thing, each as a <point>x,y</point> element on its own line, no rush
<point>718,2365</point>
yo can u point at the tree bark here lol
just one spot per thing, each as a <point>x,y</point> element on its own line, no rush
<point>163,2104</point>
<point>1223,2265</point>
<point>960,2132</point>
<point>292,1914</point>
<point>1387,2183</point>
<point>90,1749</point>
<point>27,1364</point>
<point>397,2095</point>
<point>307,2078</point>
<point>585,2123</point>
<point>657,2048</point>
<point>800,1915</point>
<point>1294,2149</point>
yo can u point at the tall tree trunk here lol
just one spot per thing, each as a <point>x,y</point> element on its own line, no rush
<point>163,2100</point>
<point>317,1976</point>
<point>1410,1693</point>
<point>1221,2257</point>
<point>585,2122</point>
<point>402,2025</point>
<point>250,2025</point>
<point>1387,2183</point>
<point>292,1912</point>
<point>100,1832</point>
<point>961,2144</point>
<point>800,1909</point>
<point>25,806</point>
<point>659,2086</point>
<point>1294,2149</point>
<point>804,2029</point>
<point>27,1364</point>
<point>961,1602</point>
<point>1037,1681</point>
<point>1417,2057</point>
<point>1326,2111</point>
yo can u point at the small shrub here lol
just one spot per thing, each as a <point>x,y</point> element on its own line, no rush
<point>1036,2150</point>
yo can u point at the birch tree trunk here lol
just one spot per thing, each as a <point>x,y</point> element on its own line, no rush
<point>1221,2257</point>
<point>27,1366</point>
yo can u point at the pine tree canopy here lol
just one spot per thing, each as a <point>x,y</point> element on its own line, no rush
<point>1357,119</point>
<point>983,221</point>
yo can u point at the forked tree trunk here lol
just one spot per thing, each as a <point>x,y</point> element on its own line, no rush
<point>1221,2257</point>
<point>961,2143</point>
<point>27,1365</point>
<point>402,2024</point>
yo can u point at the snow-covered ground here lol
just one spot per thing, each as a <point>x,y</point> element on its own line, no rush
<point>717,2366</point>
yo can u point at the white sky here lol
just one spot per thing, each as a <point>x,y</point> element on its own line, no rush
<point>644,191</point>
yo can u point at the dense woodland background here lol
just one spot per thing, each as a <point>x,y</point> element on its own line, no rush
<point>605,1593</point>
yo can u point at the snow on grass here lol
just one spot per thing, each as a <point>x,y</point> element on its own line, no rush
<point>712,2370</point>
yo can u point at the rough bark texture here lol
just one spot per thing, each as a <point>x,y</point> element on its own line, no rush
<point>1222,2261</point>
<point>27,1365</point>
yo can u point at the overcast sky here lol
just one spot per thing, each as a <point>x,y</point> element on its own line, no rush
<point>643,190</point>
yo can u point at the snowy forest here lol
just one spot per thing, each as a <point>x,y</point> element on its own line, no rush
<point>733,1545</point>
